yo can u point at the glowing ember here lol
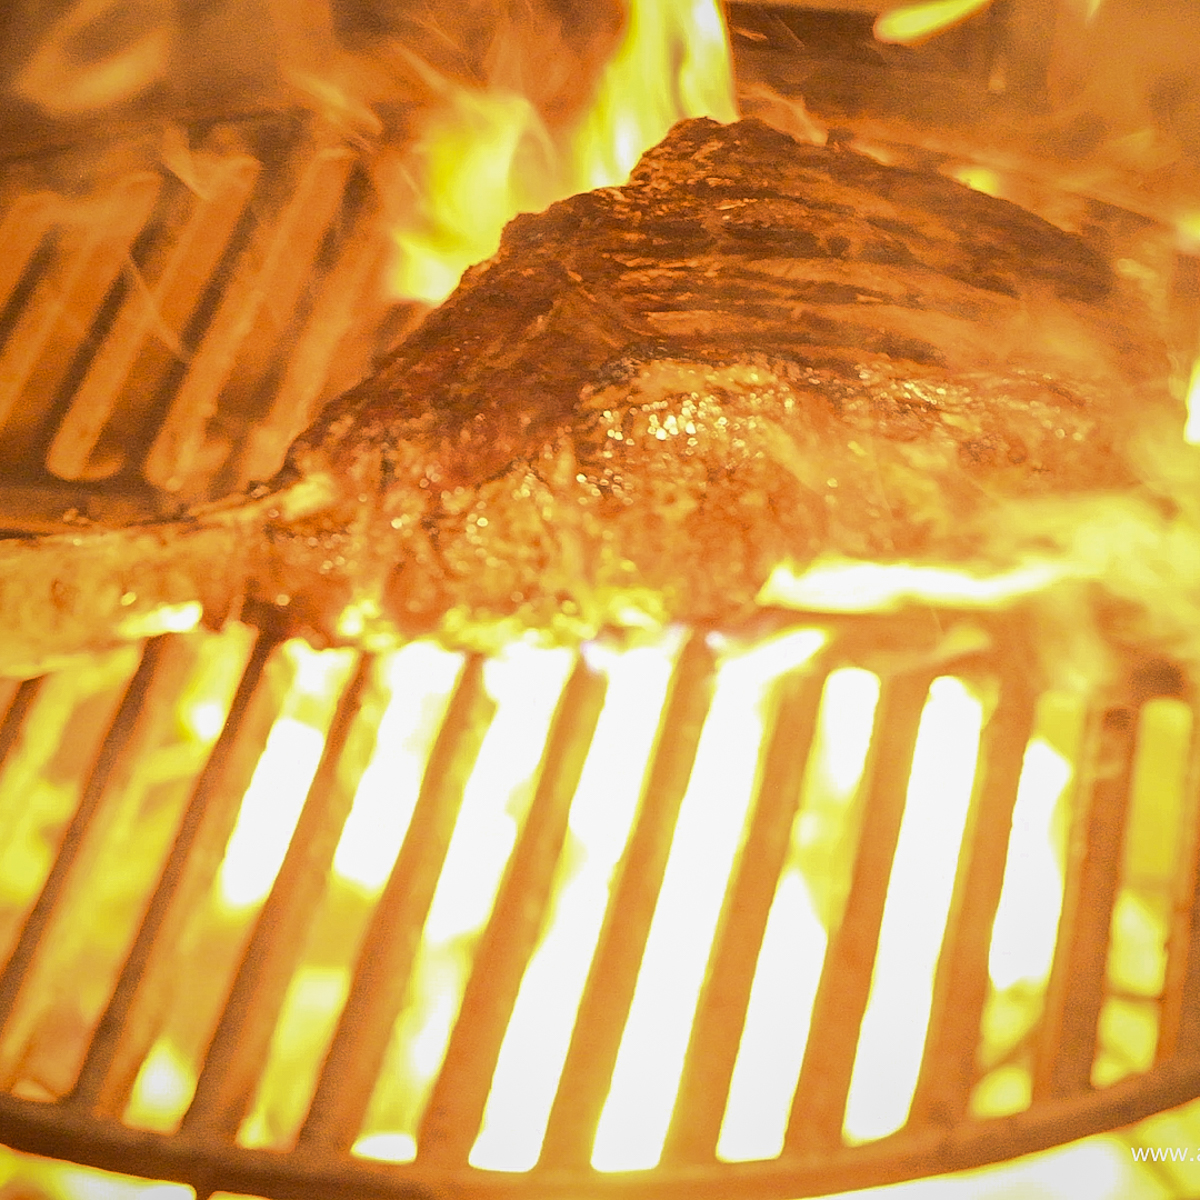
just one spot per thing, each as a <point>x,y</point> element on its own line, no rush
<point>486,155</point>
<point>918,900</point>
<point>634,1121</point>
<point>914,23</point>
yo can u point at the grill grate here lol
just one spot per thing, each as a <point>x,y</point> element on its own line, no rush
<point>166,333</point>
<point>82,1105</point>
<point>162,338</point>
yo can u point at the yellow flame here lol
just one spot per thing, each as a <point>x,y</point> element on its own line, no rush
<point>845,586</point>
<point>486,155</point>
<point>314,999</point>
<point>539,1031</point>
<point>420,678</point>
<point>1024,930</point>
<point>1141,922</point>
<point>673,63</point>
<point>1191,431</point>
<point>525,684</point>
<point>892,1039</point>
<point>807,898</point>
<point>162,1090</point>
<point>633,1123</point>
<point>916,23</point>
<point>272,803</point>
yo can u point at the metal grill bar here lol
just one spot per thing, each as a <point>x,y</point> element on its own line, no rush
<point>37,353</point>
<point>252,310</point>
<point>960,989</point>
<point>121,738</point>
<point>455,1106</point>
<point>721,1013</point>
<point>1179,1026</point>
<point>124,1033</point>
<point>385,961</point>
<point>820,1103</point>
<point>1077,982</point>
<point>238,1051</point>
<point>609,990</point>
<point>159,307</point>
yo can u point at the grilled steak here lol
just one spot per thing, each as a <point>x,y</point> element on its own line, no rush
<point>755,352</point>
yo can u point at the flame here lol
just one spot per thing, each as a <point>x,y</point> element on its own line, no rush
<point>485,155</point>
<point>272,803</point>
<point>1191,431</point>
<point>892,1040</point>
<point>916,23</point>
<point>807,901</point>
<point>535,1043</point>
<point>633,1123</point>
<point>163,1087</point>
<point>1141,922</point>
<point>420,678</point>
<point>525,684</point>
<point>1025,929</point>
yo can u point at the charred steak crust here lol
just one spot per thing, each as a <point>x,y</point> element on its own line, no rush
<point>755,351</point>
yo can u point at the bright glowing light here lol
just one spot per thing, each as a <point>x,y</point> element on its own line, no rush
<point>1026,924</point>
<point>1191,431</point>
<point>420,679</point>
<point>535,1043</point>
<point>882,587</point>
<point>485,155</point>
<point>170,618</point>
<point>269,812</point>
<point>915,23</point>
<point>314,999</point>
<point>386,1147</point>
<point>914,918</point>
<point>637,1111</point>
<point>525,684</point>
<point>776,1029</point>
<point>163,1089</point>
<point>273,801</point>
<point>673,63</point>
<point>807,902</point>
<point>980,179</point>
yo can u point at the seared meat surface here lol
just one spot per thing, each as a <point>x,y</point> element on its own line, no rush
<point>755,352</point>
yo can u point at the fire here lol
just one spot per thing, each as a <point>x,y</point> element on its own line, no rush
<point>634,1121</point>
<point>525,685</point>
<point>807,901</point>
<point>915,23</point>
<point>272,803</point>
<point>535,1044</point>
<point>1191,431</point>
<point>918,901</point>
<point>486,155</point>
<point>420,679</point>
<point>1025,930</point>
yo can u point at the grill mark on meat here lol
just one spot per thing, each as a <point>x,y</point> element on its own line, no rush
<point>756,351</point>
